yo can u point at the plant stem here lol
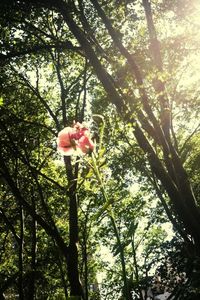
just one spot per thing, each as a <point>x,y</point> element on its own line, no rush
<point>107,206</point>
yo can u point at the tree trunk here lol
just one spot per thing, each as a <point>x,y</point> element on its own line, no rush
<point>20,255</point>
<point>73,270</point>
<point>31,278</point>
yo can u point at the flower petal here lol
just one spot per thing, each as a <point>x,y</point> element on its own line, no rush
<point>67,151</point>
<point>63,139</point>
<point>85,144</point>
<point>74,140</point>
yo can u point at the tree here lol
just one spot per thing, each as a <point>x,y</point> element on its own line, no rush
<point>136,81</point>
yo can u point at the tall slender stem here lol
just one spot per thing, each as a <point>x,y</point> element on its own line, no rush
<point>115,229</point>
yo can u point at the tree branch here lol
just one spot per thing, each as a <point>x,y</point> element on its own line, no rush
<point>67,45</point>
<point>16,192</point>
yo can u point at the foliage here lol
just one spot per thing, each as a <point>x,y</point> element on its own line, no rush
<point>129,70</point>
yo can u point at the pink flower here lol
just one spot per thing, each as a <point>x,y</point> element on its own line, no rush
<point>74,140</point>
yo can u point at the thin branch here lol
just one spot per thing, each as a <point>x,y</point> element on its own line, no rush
<point>176,225</point>
<point>10,226</point>
<point>67,45</point>
<point>189,138</point>
<point>16,192</point>
<point>4,110</point>
<point>62,89</point>
<point>36,92</point>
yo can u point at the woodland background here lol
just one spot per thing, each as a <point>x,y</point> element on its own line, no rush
<point>123,222</point>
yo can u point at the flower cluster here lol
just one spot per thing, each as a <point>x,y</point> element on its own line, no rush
<point>74,140</point>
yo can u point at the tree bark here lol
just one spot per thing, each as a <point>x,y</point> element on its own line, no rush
<point>76,288</point>
<point>31,279</point>
<point>20,254</point>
